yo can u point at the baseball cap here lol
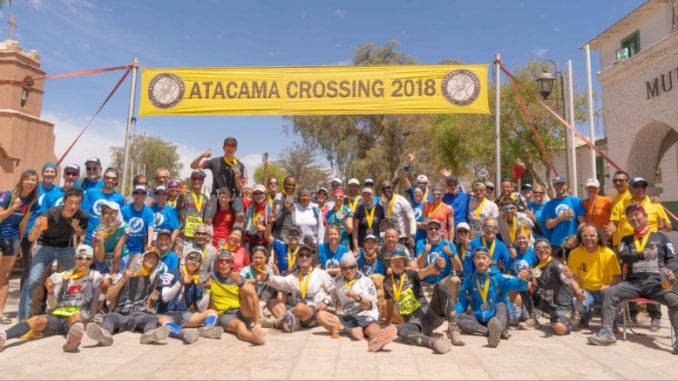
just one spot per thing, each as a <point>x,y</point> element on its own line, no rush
<point>111,204</point>
<point>198,173</point>
<point>226,254</point>
<point>85,250</point>
<point>452,179</point>
<point>638,181</point>
<point>49,164</point>
<point>353,181</point>
<point>422,179</point>
<point>322,189</point>
<point>151,251</point>
<point>307,249</point>
<point>463,225</point>
<point>370,236</point>
<point>369,181</point>
<point>434,222</point>
<point>174,183</point>
<point>140,187</point>
<point>231,139</point>
<point>558,180</point>
<point>481,251</point>
<point>398,253</point>
<point>526,187</point>
<point>479,185</point>
<point>489,184</point>
<point>194,254</point>
<point>72,166</point>
<point>368,190</point>
<point>293,231</point>
<point>592,182</point>
<point>160,189</point>
<point>165,232</point>
<point>633,208</point>
<point>259,188</point>
<point>93,160</point>
<point>335,180</point>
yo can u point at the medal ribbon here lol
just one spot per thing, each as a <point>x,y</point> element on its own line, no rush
<point>491,248</point>
<point>541,265</point>
<point>231,162</point>
<point>304,288</point>
<point>512,228</point>
<point>398,291</point>
<point>198,205</point>
<point>640,245</point>
<point>485,290</point>
<point>194,277</point>
<point>440,205</point>
<point>369,215</point>
<point>479,208</point>
<point>73,275</point>
<point>291,258</point>
<point>389,211</point>
<point>354,204</point>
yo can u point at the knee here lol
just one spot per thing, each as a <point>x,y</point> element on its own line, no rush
<point>37,322</point>
<point>560,329</point>
<point>248,291</point>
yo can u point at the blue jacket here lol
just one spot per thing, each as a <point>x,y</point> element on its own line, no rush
<point>501,255</point>
<point>499,287</point>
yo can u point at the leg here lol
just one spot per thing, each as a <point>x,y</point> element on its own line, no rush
<point>442,307</point>
<point>470,325</point>
<point>249,308</point>
<point>239,328</point>
<point>42,258</point>
<point>26,257</point>
<point>6,265</point>
<point>76,330</point>
<point>412,334</point>
<point>329,321</point>
<point>655,316</point>
<point>149,325</point>
<point>206,323</point>
<point>612,298</point>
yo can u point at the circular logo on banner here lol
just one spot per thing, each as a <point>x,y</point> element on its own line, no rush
<point>461,87</point>
<point>165,90</point>
<point>136,224</point>
<point>482,171</point>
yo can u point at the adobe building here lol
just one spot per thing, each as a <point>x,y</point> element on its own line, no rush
<point>639,81</point>
<point>26,141</point>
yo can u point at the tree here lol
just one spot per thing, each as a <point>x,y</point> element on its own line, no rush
<point>299,160</point>
<point>364,145</point>
<point>151,151</point>
<point>274,171</point>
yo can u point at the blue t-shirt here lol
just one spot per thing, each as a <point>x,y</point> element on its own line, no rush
<point>42,195</point>
<point>87,185</point>
<point>280,249</point>
<point>92,205</point>
<point>376,267</point>
<point>418,209</point>
<point>171,260</point>
<point>165,218</point>
<point>52,199</point>
<point>499,287</point>
<point>187,297</point>
<point>328,259</point>
<point>528,256</point>
<point>437,250</point>
<point>538,211</point>
<point>410,193</point>
<point>501,255</point>
<point>138,221</point>
<point>459,203</point>
<point>9,227</point>
<point>556,207</point>
<point>339,218</point>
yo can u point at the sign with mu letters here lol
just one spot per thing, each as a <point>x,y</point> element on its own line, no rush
<point>319,90</point>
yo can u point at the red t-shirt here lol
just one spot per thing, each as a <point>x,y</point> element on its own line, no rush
<point>242,259</point>
<point>222,224</point>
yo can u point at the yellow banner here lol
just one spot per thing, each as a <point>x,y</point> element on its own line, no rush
<point>321,90</point>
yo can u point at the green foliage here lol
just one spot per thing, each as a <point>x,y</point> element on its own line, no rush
<point>274,170</point>
<point>299,160</point>
<point>151,151</point>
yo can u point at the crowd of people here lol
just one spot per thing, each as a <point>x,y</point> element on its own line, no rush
<point>359,259</point>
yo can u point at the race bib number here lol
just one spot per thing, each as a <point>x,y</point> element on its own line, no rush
<point>192,223</point>
<point>407,303</point>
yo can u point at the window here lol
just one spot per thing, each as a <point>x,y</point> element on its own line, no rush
<point>631,43</point>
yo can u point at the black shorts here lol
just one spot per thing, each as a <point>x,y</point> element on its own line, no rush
<point>233,313</point>
<point>56,325</point>
<point>9,247</point>
<point>356,321</point>
<point>181,318</point>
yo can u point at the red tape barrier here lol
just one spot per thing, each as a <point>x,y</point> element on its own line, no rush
<point>66,75</point>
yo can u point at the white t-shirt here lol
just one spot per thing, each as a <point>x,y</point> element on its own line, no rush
<point>488,209</point>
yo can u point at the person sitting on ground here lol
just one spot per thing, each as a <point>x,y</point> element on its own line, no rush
<point>595,267</point>
<point>357,297</point>
<point>133,297</point>
<point>235,301</point>
<point>72,301</point>
<point>201,241</point>
<point>285,253</point>
<point>652,265</point>
<point>554,287</point>
<point>485,292</point>
<point>434,247</point>
<point>308,291</point>
<point>259,266</point>
<point>403,289</point>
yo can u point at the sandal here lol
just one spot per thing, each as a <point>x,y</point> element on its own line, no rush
<point>5,320</point>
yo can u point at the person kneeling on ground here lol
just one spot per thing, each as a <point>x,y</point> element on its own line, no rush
<point>135,294</point>
<point>485,291</point>
<point>652,265</point>
<point>403,288</point>
<point>235,301</point>
<point>72,301</point>
<point>308,290</point>
<point>357,296</point>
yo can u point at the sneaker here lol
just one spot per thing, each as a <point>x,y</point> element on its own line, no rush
<point>289,322</point>
<point>505,334</point>
<point>98,334</point>
<point>74,337</point>
<point>441,345</point>
<point>214,332</point>
<point>154,336</point>
<point>494,334</point>
<point>655,325</point>
<point>189,336</point>
<point>530,323</point>
<point>271,322</point>
<point>384,337</point>
<point>3,338</point>
<point>455,337</point>
<point>603,337</point>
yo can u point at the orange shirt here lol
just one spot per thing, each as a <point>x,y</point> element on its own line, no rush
<point>599,211</point>
<point>440,213</point>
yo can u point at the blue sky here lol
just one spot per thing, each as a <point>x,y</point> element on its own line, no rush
<point>73,35</point>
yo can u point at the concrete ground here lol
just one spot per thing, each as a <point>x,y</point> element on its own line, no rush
<point>312,354</point>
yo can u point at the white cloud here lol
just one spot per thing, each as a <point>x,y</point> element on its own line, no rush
<point>340,13</point>
<point>251,162</point>
<point>540,52</point>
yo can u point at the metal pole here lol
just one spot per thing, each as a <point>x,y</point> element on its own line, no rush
<point>573,149</point>
<point>130,116</point>
<point>589,96</point>
<point>497,124</point>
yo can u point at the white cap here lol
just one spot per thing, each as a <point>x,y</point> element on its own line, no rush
<point>85,250</point>
<point>463,225</point>
<point>422,179</point>
<point>348,258</point>
<point>111,204</point>
<point>336,180</point>
<point>592,183</point>
<point>353,181</point>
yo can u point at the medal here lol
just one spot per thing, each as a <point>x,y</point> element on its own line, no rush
<point>369,232</point>
<point>484,307</point>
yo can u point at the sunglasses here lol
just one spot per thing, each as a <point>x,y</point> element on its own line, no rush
<point>91,169</point>
<point>201,233</point>
<point>305,255</point>
<point>618,181</point>
<point>110,177</point>
<point>109,213</point>
<point>346,268</point>
<point>463,231</point>
<point>542,248</point>
<point>71,173</point>
<point>224,262</point>
<point>197,179</point>
<point>489,227</point>
<point>509,208</point>
<point>194,260</point>
<point>537,192</point>
<point>437,194</point>
<point>433,229</point>
<point>257,194</point>
<point>84,258</point>
<point>139,193</point>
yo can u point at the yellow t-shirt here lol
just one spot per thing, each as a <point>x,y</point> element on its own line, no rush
<point>653,210</point>
<point>593,269</point>
<point>618,199</point>
<point>224,297</point>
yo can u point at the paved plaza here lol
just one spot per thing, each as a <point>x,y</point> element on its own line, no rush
<point>312,354</point>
